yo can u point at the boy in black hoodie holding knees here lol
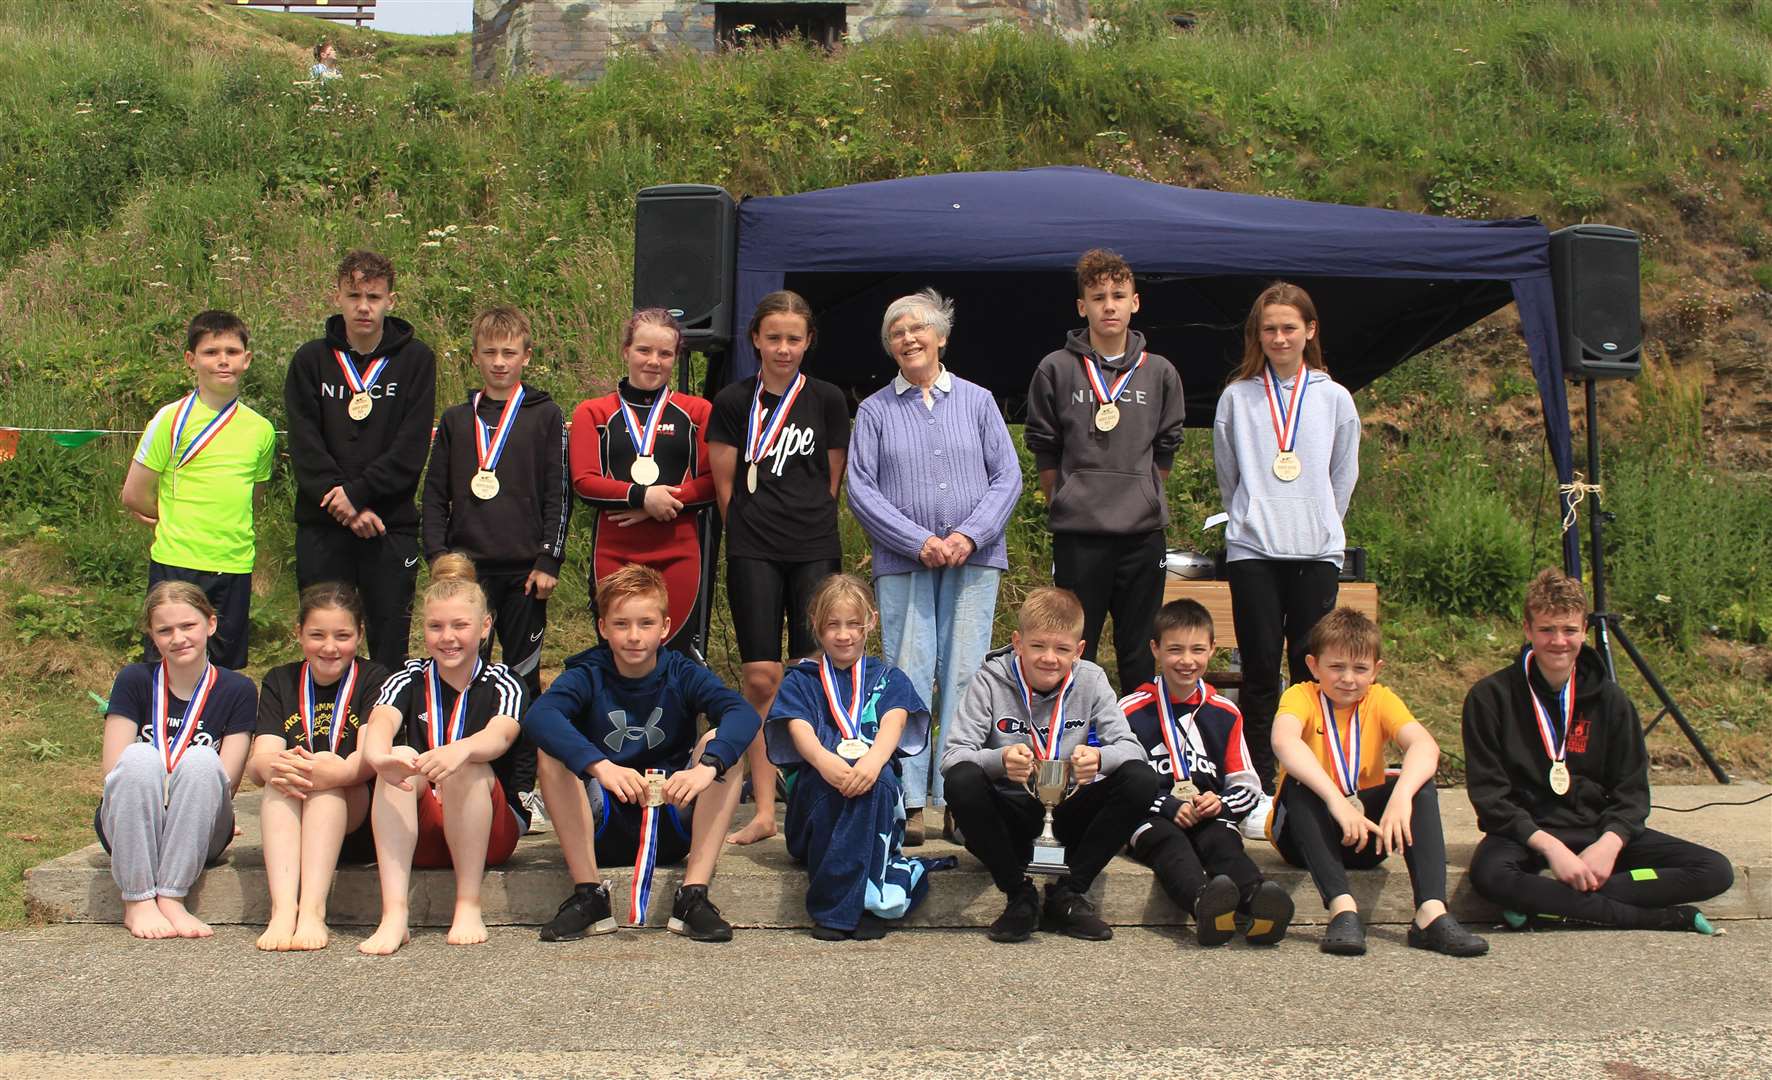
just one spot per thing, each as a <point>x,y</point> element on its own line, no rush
<point>360,402</point>
<point>1559,777</point>
<point>1104,421</point>
<point>497,490</point>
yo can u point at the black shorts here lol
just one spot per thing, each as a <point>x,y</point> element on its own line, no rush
<point>618,829</point>
<point>761,593</point>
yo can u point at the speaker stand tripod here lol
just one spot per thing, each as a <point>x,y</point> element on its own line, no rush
<point>1608,625</point>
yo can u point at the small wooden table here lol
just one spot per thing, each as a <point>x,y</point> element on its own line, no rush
<point>1362,596</point>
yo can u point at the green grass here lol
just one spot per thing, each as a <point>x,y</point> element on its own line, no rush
<point>162,156</point>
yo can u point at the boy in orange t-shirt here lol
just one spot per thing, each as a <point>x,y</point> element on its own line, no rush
<point>1329,738</point>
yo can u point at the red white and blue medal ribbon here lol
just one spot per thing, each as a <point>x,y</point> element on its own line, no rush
<point>307,699</point>
<point>1556,743</point>
<point>445,729</point>
<point>359,384</point>
<point>1343,759</point>
<point>1046,750</point>
<point>210,430</point>
<point>765,427</point>
<point>172,747</point>
<point>1284,414</point>
<point>847,718</point>
<point>646,857</point>
<point>1174,737</point>
<point>644,436</point>
<point>1104,393</point>
<point>489,443</point>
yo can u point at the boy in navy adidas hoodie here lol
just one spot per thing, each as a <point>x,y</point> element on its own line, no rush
<point>1194,739</point>
<point>360,402</point>
<point>497,490</point>
<point>618,712</point>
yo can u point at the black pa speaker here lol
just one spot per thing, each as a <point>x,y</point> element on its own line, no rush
<point>685,259</point>
<point>1598,285</point>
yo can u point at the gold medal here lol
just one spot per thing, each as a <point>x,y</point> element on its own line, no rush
<point>1185,790</point>
<point>484,485</point>
<point>1287,466</point>
<point>750,478</point>
<point>1107,418</point>
<point>851,750</point>
<point>644,471</point>
<point>1559,778</point>
<point>655,781</point>
<point>361,404</point>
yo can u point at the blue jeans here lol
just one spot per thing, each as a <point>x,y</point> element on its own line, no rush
<point>935,626</point>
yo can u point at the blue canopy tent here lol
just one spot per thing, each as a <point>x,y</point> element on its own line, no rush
<point>1003,245</point>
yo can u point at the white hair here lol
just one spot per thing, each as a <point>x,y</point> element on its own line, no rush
<point>934,309</point>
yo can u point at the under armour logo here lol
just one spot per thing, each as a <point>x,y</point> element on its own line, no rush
<point>651,732</point>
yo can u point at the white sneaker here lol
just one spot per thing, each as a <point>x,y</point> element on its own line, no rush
<point>538,815</point>
<point>1255,825</point>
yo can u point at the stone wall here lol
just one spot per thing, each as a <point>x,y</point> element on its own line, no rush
<point>573,39</point>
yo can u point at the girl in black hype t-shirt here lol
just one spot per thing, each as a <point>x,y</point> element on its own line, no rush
<point>778,443</point>
<point>316,783</point>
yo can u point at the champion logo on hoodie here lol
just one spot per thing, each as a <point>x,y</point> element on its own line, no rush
<point>1015,725</point>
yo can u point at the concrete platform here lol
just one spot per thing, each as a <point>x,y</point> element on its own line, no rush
<point>760,886</point>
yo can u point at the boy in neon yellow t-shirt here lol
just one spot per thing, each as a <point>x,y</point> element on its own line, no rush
<point>1329,738</point>
<point>192,479</point>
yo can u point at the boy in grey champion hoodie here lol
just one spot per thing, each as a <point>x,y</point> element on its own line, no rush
<point>989,754</point>
<point>1109,504</point>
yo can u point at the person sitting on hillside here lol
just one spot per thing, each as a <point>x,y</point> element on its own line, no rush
<point>325,62</point>
<point>1559,775</point>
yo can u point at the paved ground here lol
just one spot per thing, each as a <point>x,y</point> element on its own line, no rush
<point>1574,1005</point>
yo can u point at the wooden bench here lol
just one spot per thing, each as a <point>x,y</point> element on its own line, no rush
<point>359,11</point>
<point>1215,596</point>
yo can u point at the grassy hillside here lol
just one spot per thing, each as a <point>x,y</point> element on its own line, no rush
<point>161,156</point>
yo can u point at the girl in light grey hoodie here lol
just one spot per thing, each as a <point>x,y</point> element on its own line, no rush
<point>1286,445</point>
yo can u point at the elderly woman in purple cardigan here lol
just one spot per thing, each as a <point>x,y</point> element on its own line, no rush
<point>933,477</point>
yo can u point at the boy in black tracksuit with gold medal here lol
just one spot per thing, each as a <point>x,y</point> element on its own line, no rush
<point>498,490</point>
<point>360,402</point>
<point>1559,776</point>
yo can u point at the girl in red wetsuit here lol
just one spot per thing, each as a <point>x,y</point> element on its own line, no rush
<point>645,468</point>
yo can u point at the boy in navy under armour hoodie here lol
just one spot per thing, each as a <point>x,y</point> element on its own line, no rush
<point>618,712</point>
<point>1190,838</point>
<point>497,490</point>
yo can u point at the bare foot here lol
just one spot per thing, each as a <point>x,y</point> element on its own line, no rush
<point>183,922</point>
<point>143,919</point>
<point>388,937</point>
<point>310,932</point>
<point>468,928</point>
<point>761,827</point>
<point>276,935</point>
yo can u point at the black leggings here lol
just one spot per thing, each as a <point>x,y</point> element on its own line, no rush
<point>1184,859</point>
<point>1653,872</point>
<point>1274,604</point>
<point>1306,835</point>
<point>1000,824</point>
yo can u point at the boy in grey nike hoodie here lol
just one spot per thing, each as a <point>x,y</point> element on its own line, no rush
<point>1104,421</point>
<point>1038,699</point>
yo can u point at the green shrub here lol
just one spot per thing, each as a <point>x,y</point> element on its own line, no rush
<point>1467,555</point>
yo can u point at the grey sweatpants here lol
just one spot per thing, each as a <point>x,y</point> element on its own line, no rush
<point>158,848</point>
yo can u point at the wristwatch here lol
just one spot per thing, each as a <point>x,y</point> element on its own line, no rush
<point>712,761</point>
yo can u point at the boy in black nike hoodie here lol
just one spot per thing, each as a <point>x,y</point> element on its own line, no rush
<point>1559,777</point>
<point>496,490</point>
<point>1103,423</point>
<point>360,402</point>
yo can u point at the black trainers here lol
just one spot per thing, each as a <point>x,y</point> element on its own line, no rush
<point>1270,913</point>
<point>1021,915</point>
<point>586,911</point>
<point>1215,912</point>
<point>1346,935</point>
<point>1445,935</point>
<point>1071,913</point>
<point>695,917</point>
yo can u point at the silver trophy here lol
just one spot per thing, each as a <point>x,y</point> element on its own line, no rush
<point>1050,783</point>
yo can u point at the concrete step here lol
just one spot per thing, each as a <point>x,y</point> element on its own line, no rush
<point>760,886</point>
